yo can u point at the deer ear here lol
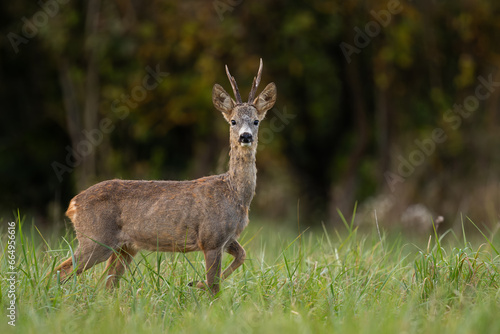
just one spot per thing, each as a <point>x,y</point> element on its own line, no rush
<point>222,101</point>
<point>265,100</point>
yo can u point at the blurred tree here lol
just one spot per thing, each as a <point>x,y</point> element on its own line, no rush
<point>103,89</point>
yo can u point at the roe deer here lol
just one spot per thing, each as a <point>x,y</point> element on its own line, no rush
<point>115,219</point>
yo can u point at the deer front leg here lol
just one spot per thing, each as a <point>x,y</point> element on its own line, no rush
<point>213,263</point>
<point>239,255</point>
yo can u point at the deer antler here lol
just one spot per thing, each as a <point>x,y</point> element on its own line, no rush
<point>256,82</point>
<point>235,86</point>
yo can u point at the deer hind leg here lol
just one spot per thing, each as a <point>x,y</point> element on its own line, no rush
<point>66,269</point>
<point>117,263</point>
<point>239,255</point>
<point>213,263</point>
<point>88,254</point>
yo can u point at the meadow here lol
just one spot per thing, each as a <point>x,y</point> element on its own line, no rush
<point>322,280</point>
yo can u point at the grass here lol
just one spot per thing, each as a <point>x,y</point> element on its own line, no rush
<point>345,282</point>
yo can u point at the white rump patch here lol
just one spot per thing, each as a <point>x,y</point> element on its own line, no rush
<point>72,210</point>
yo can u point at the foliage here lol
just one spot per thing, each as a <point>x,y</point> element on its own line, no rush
<point>353,119</point>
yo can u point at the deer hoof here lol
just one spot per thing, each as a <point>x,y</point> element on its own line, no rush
<point>198,284</point>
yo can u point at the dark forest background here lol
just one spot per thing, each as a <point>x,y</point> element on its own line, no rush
<point>393,105</point>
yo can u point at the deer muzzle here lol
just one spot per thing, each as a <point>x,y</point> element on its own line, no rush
<point>246,139</point>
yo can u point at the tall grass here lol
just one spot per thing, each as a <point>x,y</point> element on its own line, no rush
<point>345,282</point>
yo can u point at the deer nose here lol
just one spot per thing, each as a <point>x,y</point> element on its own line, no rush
<point>246,138</point>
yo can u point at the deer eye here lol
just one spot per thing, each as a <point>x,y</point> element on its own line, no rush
<point>233,122</point>
<point>256,122</point>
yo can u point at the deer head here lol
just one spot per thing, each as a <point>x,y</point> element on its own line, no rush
<point>244,117</point>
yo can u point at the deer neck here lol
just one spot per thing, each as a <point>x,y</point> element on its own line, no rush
<point>243,172</point>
